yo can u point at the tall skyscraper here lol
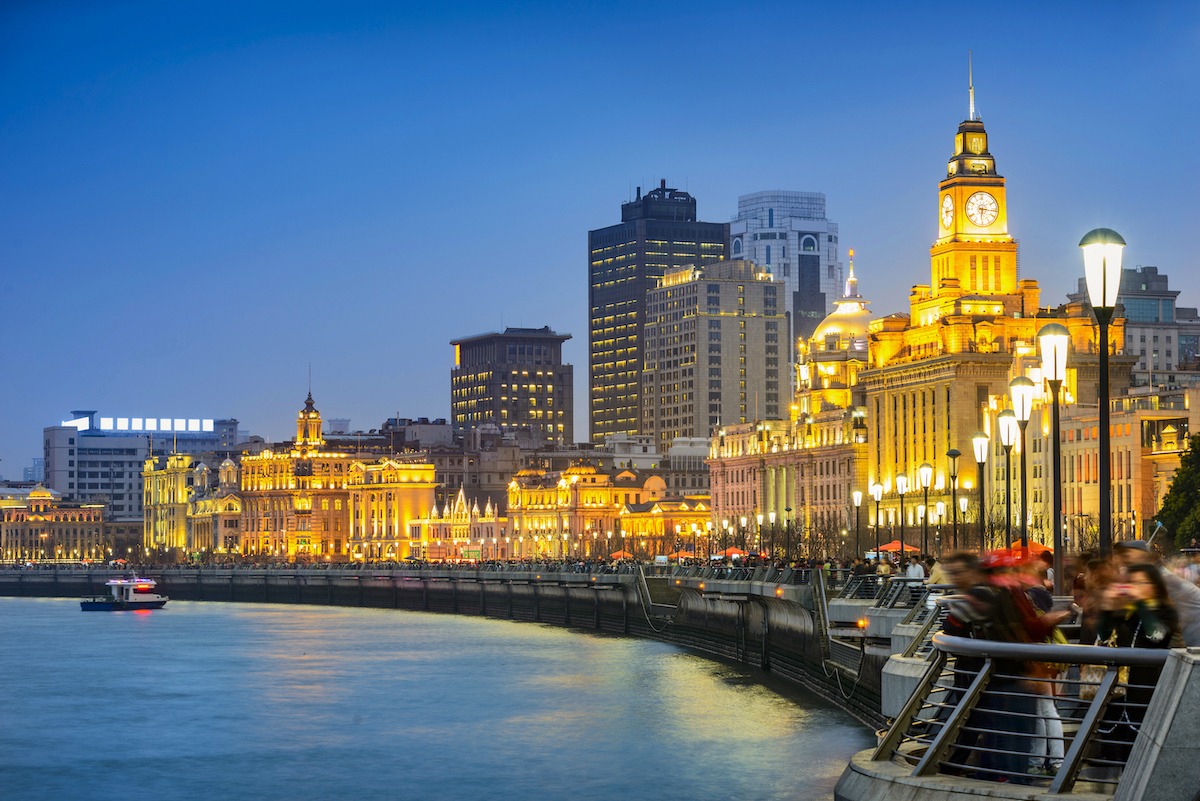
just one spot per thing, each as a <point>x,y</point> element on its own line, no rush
<point>515,380</point>
<point>788,234</point>
<point>715,351</point>
<point>658,232</point>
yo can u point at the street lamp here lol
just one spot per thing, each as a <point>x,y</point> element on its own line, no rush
<point>941,517</point>
<point>979,443</point>
<point>787,535</point>
<point>771,518</point>
<point>1006,421</point>
<point>857,497</point>
<point>953,455</point>
<point>758,536</point>
<point>901,490</point>
<point>1053,340</point>
<point>724,536</point>
<point>742,533</point>
<point>1022,391</point>
<point>1102,267</point>
<point>877,496</point>
<point>925,475</point>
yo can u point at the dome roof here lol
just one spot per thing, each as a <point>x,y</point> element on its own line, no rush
<point>849,319</point>
<point>40,492</point>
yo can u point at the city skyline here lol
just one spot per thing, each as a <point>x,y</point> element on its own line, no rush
<point>203,204</point>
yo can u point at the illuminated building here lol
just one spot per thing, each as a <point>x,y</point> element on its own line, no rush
<point>658,232</point>
<point>215,512</point>
<point>938,374</point>
<point>803,469</point>
<point>461,531</point>
<point>515,380</point>
<point>294,500</point>
<point>716,350</point>
<point>387,499</point>
<point>167,483</point>
<point>100,459</point>
<point>788,235</point>
<point>37,525</point>
<point>575,512</point>
<point>669,525</point>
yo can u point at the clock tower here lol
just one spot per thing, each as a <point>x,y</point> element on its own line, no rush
<point>973,253</point>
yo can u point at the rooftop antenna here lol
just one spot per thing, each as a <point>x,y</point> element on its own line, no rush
<point>310,378</point>
<point>971,85</point>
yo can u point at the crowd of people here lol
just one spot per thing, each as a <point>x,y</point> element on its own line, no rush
<point>1129,599</point>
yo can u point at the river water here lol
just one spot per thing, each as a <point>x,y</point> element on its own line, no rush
<point>258,701</point>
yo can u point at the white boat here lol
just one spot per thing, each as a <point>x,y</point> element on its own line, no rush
<point>126,594</point>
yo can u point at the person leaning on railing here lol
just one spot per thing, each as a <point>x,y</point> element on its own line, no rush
<point>1136,612</point>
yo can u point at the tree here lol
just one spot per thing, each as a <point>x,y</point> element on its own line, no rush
<point>1180,511</point>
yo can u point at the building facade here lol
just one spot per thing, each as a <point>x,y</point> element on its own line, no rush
<point>215,513</point>
<point>514,380</point>
<point>789,235</point>
<point>940,373</point>
<point>716,350</point>
<point>100,459</point>
<point>386,498</point>
<point>37,525</point>
<point>658,232</point>
<point>294,500</point>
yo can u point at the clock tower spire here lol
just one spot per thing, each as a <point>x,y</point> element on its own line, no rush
<point>973,253</point>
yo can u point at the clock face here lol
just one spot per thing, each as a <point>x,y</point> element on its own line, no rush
<point>947,211</point>
<point>982,209</point>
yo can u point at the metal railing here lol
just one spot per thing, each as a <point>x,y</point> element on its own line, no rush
<point>903,593</point>
<point>865,587</point>
<point>977,714</point>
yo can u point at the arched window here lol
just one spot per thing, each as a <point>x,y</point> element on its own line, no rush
<point>808,243</point>
<point>770,218</point>
<point>737,246</point>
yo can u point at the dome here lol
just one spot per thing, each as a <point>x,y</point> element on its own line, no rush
<point>848,321</point>
<point>41,492</point>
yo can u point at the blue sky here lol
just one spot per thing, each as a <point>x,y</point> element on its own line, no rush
<point>198,200</point>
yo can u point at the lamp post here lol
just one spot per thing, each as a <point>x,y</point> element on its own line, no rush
<point>941,517</point>
<point>1102,267</point>
<point>724,536</point>
<point>877,496</point>
<point>771,518</point>
<point>1022,390</point>
<point>979,443</point>
<point>902,490</point>
<point>742,533</point>
<point>953,455</point>
<point>857,497</point>
<point>1053,340</point>
<point>1006,421</point>
<point>925,476</point>
<point>787,535</point>
<point>758,535</point>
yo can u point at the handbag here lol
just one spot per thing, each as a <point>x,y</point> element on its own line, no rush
<point>1091,675</point>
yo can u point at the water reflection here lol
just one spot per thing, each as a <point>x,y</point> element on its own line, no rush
<point>264,702</point>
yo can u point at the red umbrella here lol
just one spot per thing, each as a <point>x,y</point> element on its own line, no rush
<point>621,555</point>
<point>732,551</point>
<point>1034,547</point>
<point>894,545</point>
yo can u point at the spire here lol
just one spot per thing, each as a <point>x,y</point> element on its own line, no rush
<point>851,281</point>
<point>971,86</point>
<point>308,402</point>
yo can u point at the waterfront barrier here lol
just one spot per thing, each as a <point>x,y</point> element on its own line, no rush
<point>976,726</point>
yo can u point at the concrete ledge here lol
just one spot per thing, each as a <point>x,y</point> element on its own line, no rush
<point>1165,762</point>
<point>900,678</point>
<point>881,622</point>
<point>864,780</point>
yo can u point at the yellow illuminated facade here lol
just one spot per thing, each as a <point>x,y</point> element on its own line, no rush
<point>295,503</point>
<point>167,484</point>
<point>668,526</point>
<point>575,513</point>
<point>37,526</point>
<point>215,513</point>
<point>461,531</point>
<point>940,373</point>
<point>387,500</point>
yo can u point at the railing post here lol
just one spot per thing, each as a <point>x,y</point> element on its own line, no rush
<point>949,732</point>
<point>1064,780</point>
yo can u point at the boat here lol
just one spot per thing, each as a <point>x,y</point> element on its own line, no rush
<point>128,593</point>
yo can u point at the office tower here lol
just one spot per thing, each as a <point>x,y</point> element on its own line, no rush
<point>515,380</point>
<point>100,459</point>
<point>716,350</point>
<point>788,234</point>
<point>658,232</point>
